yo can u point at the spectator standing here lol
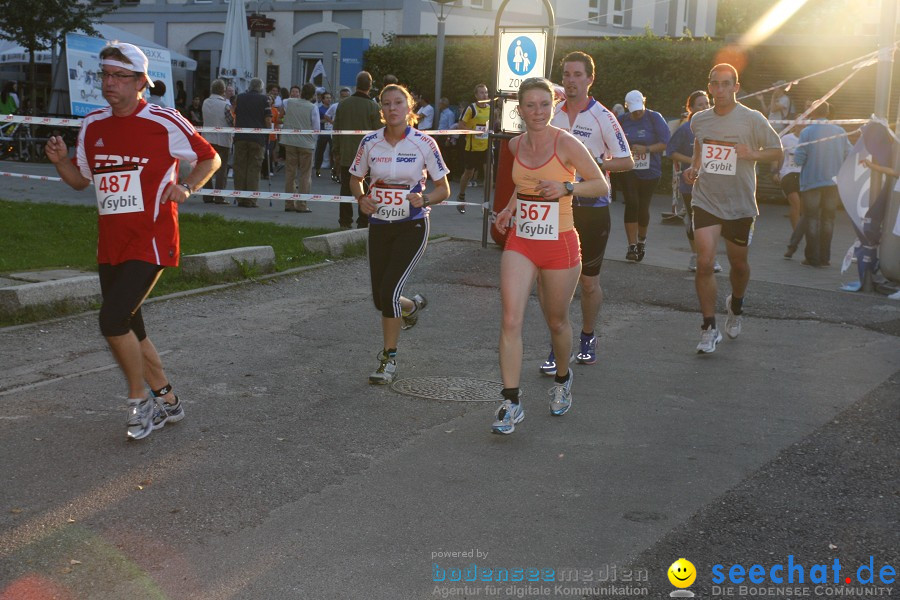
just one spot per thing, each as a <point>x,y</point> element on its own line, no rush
<point>217,113</point>
<point>356,112</point>
<point>157,93</point>
<point>323,144</point>
<point>9,100</point>
<point>474,117</point>
<point>299,112</point>
<point>820,153</point>
<point>426,113</point>
<point>787,175</point>
<point>180,98</point>
<point>195,112</point>
<point>252,111</point>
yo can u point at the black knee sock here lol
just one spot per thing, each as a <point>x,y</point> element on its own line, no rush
<point>737,305</point>
<point>511,394</point>
<point>709,322</point>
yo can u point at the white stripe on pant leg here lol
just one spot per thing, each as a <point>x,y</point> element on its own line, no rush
<point>398,311</point>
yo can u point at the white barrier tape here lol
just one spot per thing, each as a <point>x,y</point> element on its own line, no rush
<point>818,102</point>
<point>858,62</point>
<point>77,123</point>
<point>254,195</point>
<point>303,197</point>
<point>811,121</point>
<point>23,176</point>
<point>831,137</point>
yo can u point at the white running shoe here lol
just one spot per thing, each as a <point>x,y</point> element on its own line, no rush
<point>709,338</point>
<point>717,268</point>
<point>733,322</point>
<point>692,264</point>
<point>139,423</point>
<point>506,417</point>
<point>561,397</point>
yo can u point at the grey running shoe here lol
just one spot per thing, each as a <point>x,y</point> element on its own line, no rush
<point>717,268</point>
<point>461,208</point>
<point>166,413</point>
<point>561,397</point>
<point>632,254</point>
<point>386,371</point>
<point>692,264</point>
<point>410,320</point>
<point>709,338</point>
<point>139,423</point>
<point>733,322</point>
<point>639,248</point>
<point>506,417</point>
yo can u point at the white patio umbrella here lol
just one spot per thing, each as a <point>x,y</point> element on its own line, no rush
<point>235,63</point>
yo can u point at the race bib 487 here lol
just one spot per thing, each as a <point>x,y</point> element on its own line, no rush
<point>118,190</point>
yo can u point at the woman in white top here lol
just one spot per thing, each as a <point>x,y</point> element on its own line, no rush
<point>396,158</point>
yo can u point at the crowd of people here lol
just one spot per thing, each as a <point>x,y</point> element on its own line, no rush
<point>556,222</point>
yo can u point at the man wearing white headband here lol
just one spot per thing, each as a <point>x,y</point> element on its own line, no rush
<point>130,151</point>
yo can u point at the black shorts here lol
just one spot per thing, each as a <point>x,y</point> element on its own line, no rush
<point>593,225</point>
<point>474,160</point>
<point>124,288</point>
<point>790,183</point>
<point>737,231</point>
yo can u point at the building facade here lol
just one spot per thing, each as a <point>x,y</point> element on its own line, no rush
<point>307,31</point>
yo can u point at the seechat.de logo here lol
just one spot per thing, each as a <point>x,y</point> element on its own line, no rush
<point>682,574</point>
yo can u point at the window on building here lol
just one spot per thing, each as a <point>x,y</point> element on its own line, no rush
<point>618,13</point>
<point>482,4</point>
<point>594,15</point>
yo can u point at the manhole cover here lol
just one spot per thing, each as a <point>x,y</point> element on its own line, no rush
<point>457,389</point>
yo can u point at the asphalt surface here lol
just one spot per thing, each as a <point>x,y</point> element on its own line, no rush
<point>291,477</point>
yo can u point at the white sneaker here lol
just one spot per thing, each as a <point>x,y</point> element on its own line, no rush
<point>386,371</point>
<point>709,338</point>
<point>139,422</point>
<point>506,418</point>
<point>692,264</point>
<point>733,322</point>
<point>561,397</point>
<point>717,268</point>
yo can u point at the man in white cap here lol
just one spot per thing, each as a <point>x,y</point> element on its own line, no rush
<point>130,151</point>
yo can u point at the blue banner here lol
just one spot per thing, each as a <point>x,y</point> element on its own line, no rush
<point>352,50</point>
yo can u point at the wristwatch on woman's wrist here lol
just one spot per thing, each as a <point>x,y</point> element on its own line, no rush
<point>570,187</point>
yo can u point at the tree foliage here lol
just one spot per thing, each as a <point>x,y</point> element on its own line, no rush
<point>36,25</point>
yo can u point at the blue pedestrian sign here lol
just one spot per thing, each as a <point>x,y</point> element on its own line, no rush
<point>522,55</point>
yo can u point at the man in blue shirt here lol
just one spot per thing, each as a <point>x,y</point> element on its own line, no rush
<point>820,153</point>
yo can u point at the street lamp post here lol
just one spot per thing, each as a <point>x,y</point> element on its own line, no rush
<point>439,58</point>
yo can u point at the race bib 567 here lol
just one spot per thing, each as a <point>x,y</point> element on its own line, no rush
<point>536,218</point>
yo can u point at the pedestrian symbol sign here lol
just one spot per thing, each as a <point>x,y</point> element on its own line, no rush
<point>522,55</point>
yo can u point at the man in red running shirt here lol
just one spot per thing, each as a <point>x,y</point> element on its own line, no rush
<point>130,151</point>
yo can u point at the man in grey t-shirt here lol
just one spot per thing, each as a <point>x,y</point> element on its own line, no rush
<point>729,140</point>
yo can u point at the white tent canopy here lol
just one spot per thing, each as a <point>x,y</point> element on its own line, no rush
<point>13,53</point>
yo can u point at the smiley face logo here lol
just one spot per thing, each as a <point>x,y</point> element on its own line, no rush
<point>682,573</point>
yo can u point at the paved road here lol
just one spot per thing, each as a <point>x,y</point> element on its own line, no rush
<point>291,477</point>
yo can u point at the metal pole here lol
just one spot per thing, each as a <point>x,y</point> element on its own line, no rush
<point>890,244</point>
<point>439,62</point>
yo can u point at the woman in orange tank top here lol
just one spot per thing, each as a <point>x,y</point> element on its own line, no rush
<point>542,241</point>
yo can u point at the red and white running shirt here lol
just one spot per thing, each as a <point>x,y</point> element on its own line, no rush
<point>132,161</point>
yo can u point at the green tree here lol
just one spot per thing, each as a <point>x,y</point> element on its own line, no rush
<point>37,25</point>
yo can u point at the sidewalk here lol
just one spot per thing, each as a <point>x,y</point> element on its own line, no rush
<point>667,244</point>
